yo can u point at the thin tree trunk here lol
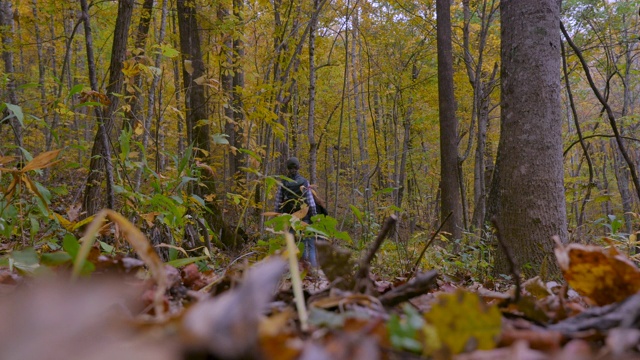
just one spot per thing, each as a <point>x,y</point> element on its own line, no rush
<point>226,75</point>
<point>609,112</point>
<point>238,82</point>
<point>6,22</point>
<point>363,168</point>
<point>41,65</point>
<point>313,144</point>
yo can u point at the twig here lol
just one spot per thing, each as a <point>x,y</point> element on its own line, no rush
<point>415,266</point>
<point>415,287</point>
<point>363,268</point>
<point>513,269</point>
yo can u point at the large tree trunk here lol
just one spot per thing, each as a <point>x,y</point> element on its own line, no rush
<point>196,112</point>
<point>101,151</point>
<point>449,180</point>
<point>530,190</point>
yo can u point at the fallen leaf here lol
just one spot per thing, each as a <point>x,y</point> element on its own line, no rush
<point>227,325</point>
<point>603,275</point>
<point>464,322</point>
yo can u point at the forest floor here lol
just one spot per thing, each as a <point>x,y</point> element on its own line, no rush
<point>137,307</point>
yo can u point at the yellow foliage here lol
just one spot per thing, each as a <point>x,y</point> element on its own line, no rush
<point>463,322</point>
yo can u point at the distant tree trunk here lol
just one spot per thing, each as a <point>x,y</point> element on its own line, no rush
<point>6,22</point>
<point>529,188</point>
<point>449,181</point>
<point>238,80</point>
<point>160,126</point>
<point>101,151</point>
<point>226,75</point>
<point>361,129</point>
<point>135,101</point>
<point>482,88</point>
<point>313,143</point>
<point>41,63</point>
<point>196,113</point>
<point>176,84</point>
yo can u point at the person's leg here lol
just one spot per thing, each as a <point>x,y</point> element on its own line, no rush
<point>309,253</point>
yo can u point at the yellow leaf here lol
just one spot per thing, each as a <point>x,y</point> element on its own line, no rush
<point>603,276</point>
<point>138,242</point>
<point>41,161</point>
<point>64,222</point>
<point>81,223</point>
<point>300,214</point>
<point>188,67</point>
<point>138,129</point>
<point>34,189</point>
<point>464,322</point>
<point>201,80</point>
<point>130,68</point>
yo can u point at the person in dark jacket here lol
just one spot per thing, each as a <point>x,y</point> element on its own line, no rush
<point>290,197</point>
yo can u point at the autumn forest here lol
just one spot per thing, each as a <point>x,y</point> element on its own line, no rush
<point>476,149</point>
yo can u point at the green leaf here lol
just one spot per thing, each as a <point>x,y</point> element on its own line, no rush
<point>168,51</point>
<point>76,89</point>
<point>55,258</point>
<point>220,139</point>
<point>17,112</point>
<point>106,247</point>
<point>183,262</point>
<point>25,260</point>
<point>356,212</point>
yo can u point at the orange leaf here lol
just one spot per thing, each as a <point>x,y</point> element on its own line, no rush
<point>604,276</point>
<point>6,159</point>
<point>41,161</point>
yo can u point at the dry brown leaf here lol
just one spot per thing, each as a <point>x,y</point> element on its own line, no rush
<point>41,161</point>
<point>604,276</point>
<point>227,325</point>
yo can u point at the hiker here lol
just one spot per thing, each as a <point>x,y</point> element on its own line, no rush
<point>291,195</point>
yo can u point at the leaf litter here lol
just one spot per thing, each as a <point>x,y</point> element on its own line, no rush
<point>144,309</point>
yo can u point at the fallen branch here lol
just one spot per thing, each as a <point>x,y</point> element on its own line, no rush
<point>415,266</point>
<point>624,314</point>
<point>362,276</point>
<point>414,287</point>
<point>513,269</point>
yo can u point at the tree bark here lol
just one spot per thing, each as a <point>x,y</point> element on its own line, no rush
<point>313,143</point>
<point>449,180</point>
<point>529,188</point>
<point>238,82</point>
<point>101,151</point>
<point>6,22</point>
<point>197,117</point>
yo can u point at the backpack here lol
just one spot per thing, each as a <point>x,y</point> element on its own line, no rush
<point>292,195</point>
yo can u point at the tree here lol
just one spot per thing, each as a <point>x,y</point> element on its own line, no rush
<point>101,151</point>
<point>451,201</point>
<point>197,118</point>
<point>6,22</point>
<point>528,184</point>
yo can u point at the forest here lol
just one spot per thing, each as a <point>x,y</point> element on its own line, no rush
<point>477,161</point>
